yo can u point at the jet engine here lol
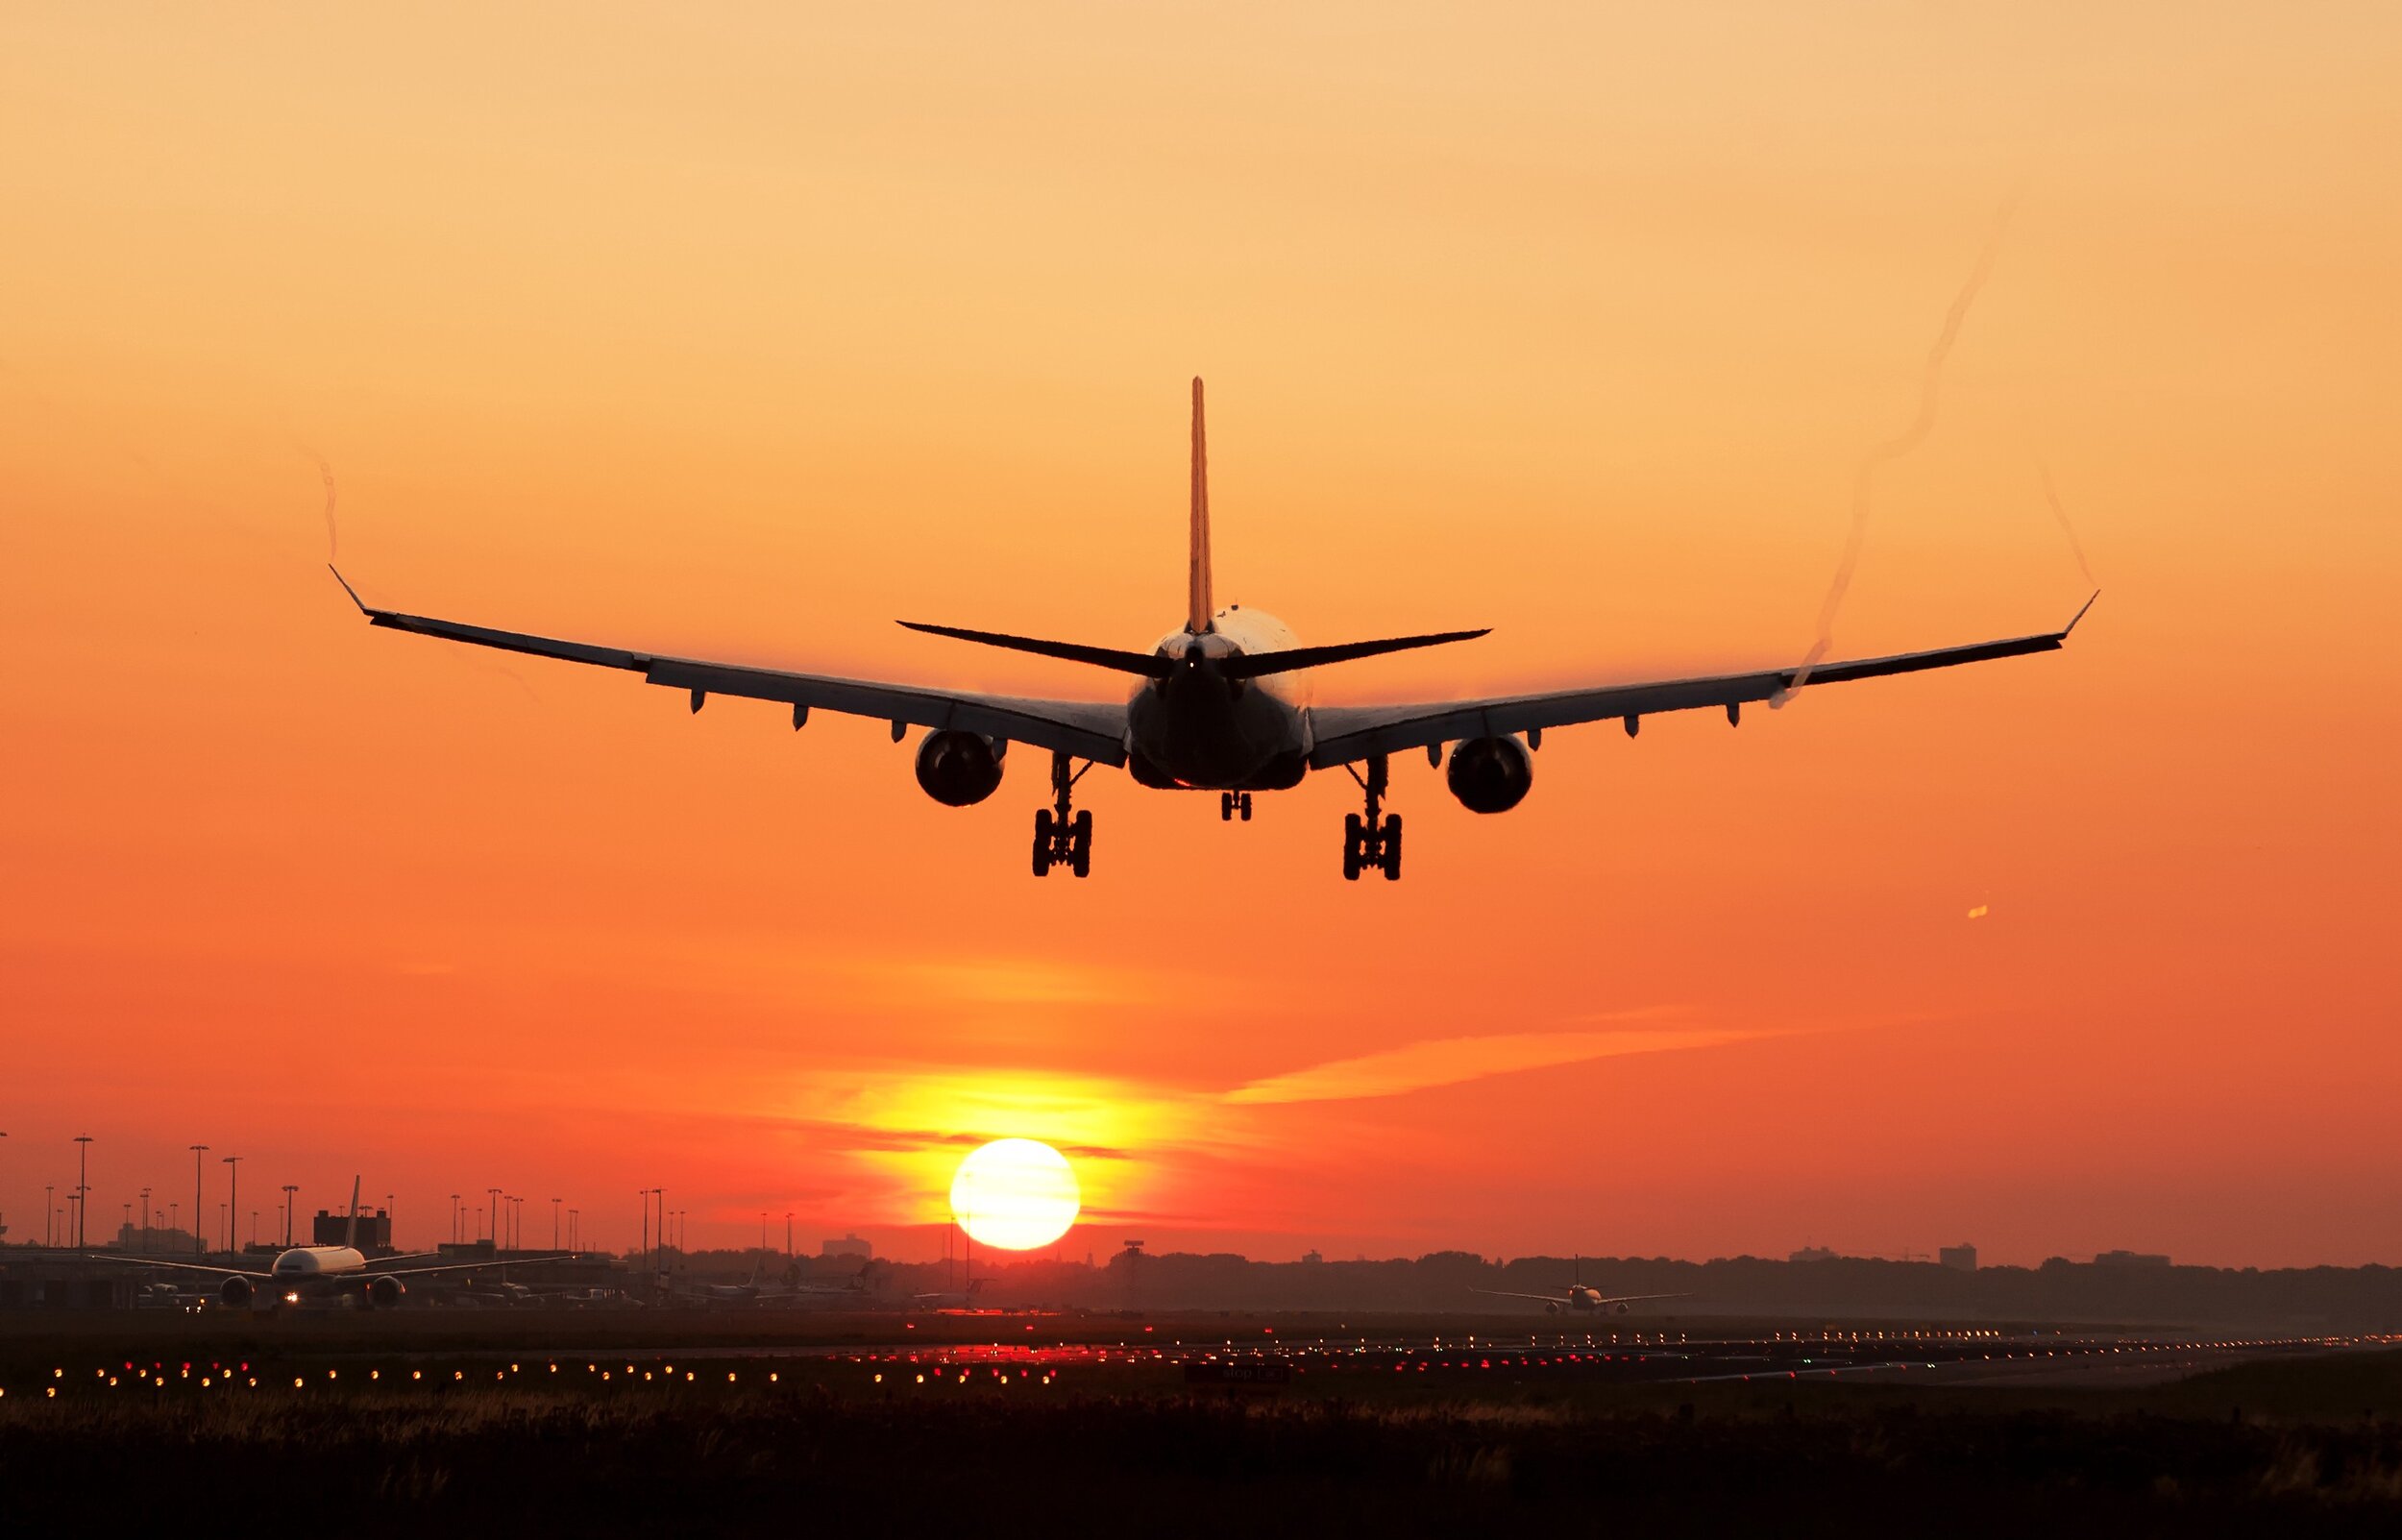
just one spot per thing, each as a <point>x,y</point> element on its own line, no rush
<point>958,769</point>
<point>1490,774</point>
<point>235,1293</point>
<point>385,1292</point>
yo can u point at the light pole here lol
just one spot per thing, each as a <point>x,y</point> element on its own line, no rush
<point>83,1185</point>
<point>389,1207</point>
<point>493,1217</point>
<point>454,1218</point>
<point>145,1221</point>
<point>254,1226</point>
<point>575,1231</point>
<point>787,1238</point>
<point>49,1206</point>
<point>233,1196</point>
<point>128,1226</point>
<point>554,1224</point>
<point>289,1187</point>
<point>200,1247</point>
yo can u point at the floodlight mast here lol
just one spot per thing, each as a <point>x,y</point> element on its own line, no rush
<point>200,1243</point>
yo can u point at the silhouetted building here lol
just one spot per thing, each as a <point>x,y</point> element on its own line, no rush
<point>2131,1258</point>
<point>1960,1258</point>
<point>849,1245</point>
<point>375,1230</point>
<point>1813,1254</point>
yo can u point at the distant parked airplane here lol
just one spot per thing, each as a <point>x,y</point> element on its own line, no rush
<point>1223,706</point>
<point>755,1292</point>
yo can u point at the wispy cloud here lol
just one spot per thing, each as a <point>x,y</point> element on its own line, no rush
<point>863,1136</point>
<point>1450,1061</point>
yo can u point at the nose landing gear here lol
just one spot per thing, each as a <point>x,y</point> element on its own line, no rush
<point>1233,805</point>
<point>1061,838</point>
<point>1372,841</point>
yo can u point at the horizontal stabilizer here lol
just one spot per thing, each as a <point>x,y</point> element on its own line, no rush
<point>1149,665</point>
<point>1251,664</point>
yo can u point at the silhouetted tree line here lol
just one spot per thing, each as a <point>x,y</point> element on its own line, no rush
<point>2333,1299</point>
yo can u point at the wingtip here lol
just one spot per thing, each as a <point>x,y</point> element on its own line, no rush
<point>347,589</point>
<point>2080,614</point>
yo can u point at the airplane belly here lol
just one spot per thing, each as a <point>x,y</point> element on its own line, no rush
<point>1252,740</point>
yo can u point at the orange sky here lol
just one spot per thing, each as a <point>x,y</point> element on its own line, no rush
<point>748,331</point>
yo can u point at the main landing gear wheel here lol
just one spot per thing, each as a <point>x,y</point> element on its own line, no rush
<point>1372,841</point>
<point>1232,805</point>
<point>1062,837</point>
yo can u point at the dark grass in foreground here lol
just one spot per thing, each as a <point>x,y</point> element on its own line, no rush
<point>2309,1454</point>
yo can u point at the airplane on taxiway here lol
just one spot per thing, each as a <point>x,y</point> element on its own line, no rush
<point>1579,1296</point>
<point>304,1272</point>
<point>1223,705</point>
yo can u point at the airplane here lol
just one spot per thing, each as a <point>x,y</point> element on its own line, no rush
<point>754,1292</point>
<point>949,1299</point>
<point>1581,1297</point>
<point>319,1271</point>
<point>1223,704</point>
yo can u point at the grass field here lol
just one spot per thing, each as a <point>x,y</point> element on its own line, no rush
<point>430,1433</point>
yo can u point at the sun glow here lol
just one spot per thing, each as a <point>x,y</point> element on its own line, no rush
<point>1016,1194</point>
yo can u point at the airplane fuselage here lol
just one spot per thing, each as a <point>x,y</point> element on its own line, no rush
<point>307,1264</point>
<point>1197,729</point>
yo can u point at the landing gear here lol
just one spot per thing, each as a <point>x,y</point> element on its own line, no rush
<point>1233,805</point>
<point>1372,841</point>
<point>1062,837</point>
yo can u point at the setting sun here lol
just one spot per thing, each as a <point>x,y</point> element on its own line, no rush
<point>1016,1194</point>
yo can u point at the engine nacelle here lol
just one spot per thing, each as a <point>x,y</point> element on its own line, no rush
<point>385,1292</point>
<point>235,1293</point>
<point>958,769</point>
<point>1490,774</point>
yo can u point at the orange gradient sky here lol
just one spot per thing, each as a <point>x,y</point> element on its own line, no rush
<point>746,330</point>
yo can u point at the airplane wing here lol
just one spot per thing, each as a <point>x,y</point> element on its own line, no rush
<point>1347,733</point>
<point>1506,1294</point>
<point>181,1267</point>
<point>456,1267</point>
<point>1637,1299</point>
<point>1092,730</point>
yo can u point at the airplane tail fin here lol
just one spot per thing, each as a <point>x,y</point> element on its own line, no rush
<point>350,1231</point>
<point>1198,606</point>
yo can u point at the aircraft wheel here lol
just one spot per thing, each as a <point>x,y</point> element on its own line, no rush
<point>1246,807</point>
<point>1042,843</point>
<point>1392,849</point>
<point>1351,846</point>
<point>1079,847</point>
